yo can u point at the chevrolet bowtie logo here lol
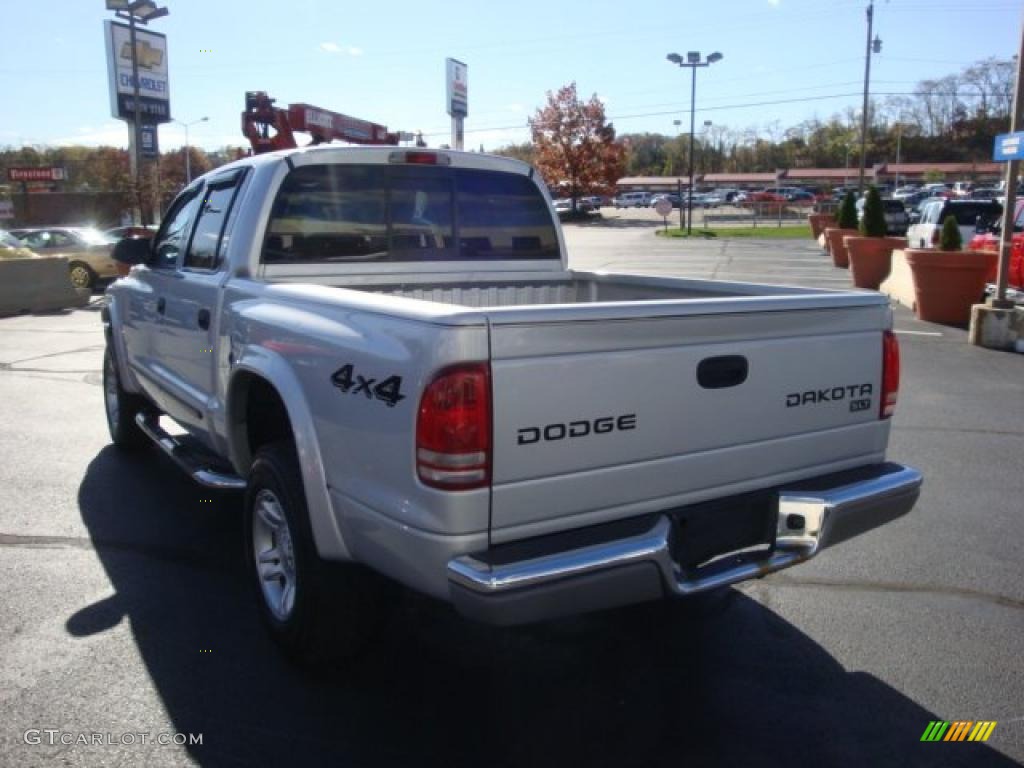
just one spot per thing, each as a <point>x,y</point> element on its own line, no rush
<point>148,56</point>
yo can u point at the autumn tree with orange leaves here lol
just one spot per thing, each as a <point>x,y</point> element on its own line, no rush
<point>574,146</point>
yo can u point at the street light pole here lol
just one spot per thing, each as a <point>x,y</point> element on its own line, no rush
<point>692,61</point>
<point>188,151</point>
<point>679,184</point>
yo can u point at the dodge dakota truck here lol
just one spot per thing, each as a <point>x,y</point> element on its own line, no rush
<point>385,349</point>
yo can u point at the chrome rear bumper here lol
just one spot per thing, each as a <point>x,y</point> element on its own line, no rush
<point>641,566</point>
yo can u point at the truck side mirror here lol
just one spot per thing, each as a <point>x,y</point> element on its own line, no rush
<point>132,250</point>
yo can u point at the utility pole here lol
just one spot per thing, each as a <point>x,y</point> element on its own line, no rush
<point>877,46</point>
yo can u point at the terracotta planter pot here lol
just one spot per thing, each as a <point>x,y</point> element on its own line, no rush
<point>870,260</point>
<point>947,283</point>
<point>819,221</point>
<point>834,236</point>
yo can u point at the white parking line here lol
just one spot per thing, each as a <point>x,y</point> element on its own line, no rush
<point>917,333</point>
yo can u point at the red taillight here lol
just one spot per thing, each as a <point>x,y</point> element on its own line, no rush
<point>890,374</point>
<point>453,429</point>
<point>936,236</point>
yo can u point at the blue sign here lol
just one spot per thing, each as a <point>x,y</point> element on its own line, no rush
<point>1009,146</point>
<point>150,145</point>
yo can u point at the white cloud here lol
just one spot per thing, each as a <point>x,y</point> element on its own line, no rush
<point>334,48</point>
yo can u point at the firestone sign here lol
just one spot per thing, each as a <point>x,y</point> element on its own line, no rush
<point>458,89</point>
<point>151,57</point>
<point>36,174</point>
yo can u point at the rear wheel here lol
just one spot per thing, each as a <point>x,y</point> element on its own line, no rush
<point>121,407</point>
<point>315,610</point>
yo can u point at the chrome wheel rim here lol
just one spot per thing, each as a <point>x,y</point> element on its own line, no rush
<point>273,554</point>
<point>80,277</point>
<point>110,392</point>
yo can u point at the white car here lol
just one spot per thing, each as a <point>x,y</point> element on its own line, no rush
<point>632,200</point>
<point>970,215</point>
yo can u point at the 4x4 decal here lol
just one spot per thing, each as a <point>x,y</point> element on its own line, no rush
<point>389,391</point>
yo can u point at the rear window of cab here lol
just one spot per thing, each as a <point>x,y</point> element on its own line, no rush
<point>379,213</point>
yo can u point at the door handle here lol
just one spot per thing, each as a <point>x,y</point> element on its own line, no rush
<point>161,305</point>
<point>204,319</point>
<point>722,372</point>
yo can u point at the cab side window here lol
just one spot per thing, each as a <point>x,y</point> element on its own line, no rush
<point>173,235</point>
<point>204,250</point>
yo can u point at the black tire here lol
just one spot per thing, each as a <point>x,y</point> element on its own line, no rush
<point>336,609</point>
<point>82,276</point>
<point>121,407</point>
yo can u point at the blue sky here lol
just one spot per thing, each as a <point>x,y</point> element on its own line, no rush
<point>385,62</point>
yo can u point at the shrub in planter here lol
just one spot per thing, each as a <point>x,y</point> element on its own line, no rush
<point>950,239</point>
<point>949,280</point>
<point>847,225</point>
<point>870,255</point>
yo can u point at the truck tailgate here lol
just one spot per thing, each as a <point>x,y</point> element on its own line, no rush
<point>597,419</point>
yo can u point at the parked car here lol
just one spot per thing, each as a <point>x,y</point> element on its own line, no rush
<point>632,200</point>
<point>399,405</point>
<point>564,205</point>
<point>986,193</point>
<point>800,197</point>
<point>896,218</point>
<point>87,250</point>
<point>672,197</point>
<point>989,241</point>
<point>907,190</point>
<point>971,216</point>
<point>12,248</point>
<point>131,231</point>
<point>912,199</point>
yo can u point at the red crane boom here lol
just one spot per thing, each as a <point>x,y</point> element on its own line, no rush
<point>261,116</point>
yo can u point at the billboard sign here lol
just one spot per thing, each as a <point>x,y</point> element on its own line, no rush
<point>51,173</point>
<point>154,87</point>
<point>458,89</point>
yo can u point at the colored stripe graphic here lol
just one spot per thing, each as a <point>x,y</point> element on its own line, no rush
<point>959,730</point>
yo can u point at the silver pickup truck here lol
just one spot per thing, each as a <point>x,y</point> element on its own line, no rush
<point>386,350</point>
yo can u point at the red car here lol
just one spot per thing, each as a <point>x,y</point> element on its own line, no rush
<point>989,241</point>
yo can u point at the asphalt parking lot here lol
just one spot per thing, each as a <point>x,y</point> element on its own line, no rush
<point>125,609</point>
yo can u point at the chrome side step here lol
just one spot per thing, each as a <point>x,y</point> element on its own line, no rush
<point>195,465</point>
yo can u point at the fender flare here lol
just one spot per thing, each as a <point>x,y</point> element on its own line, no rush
<point>275,371</point>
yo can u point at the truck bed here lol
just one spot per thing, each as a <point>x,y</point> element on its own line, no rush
<point>488,290</point>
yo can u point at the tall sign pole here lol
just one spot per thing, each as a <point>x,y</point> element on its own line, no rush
<point>458,98</point>
<point>999,301</point>
<point>136,143</point>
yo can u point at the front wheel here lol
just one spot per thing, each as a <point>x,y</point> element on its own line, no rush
<point>315,610</point>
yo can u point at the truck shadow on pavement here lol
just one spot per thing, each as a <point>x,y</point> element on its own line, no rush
<point>720,679</point>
